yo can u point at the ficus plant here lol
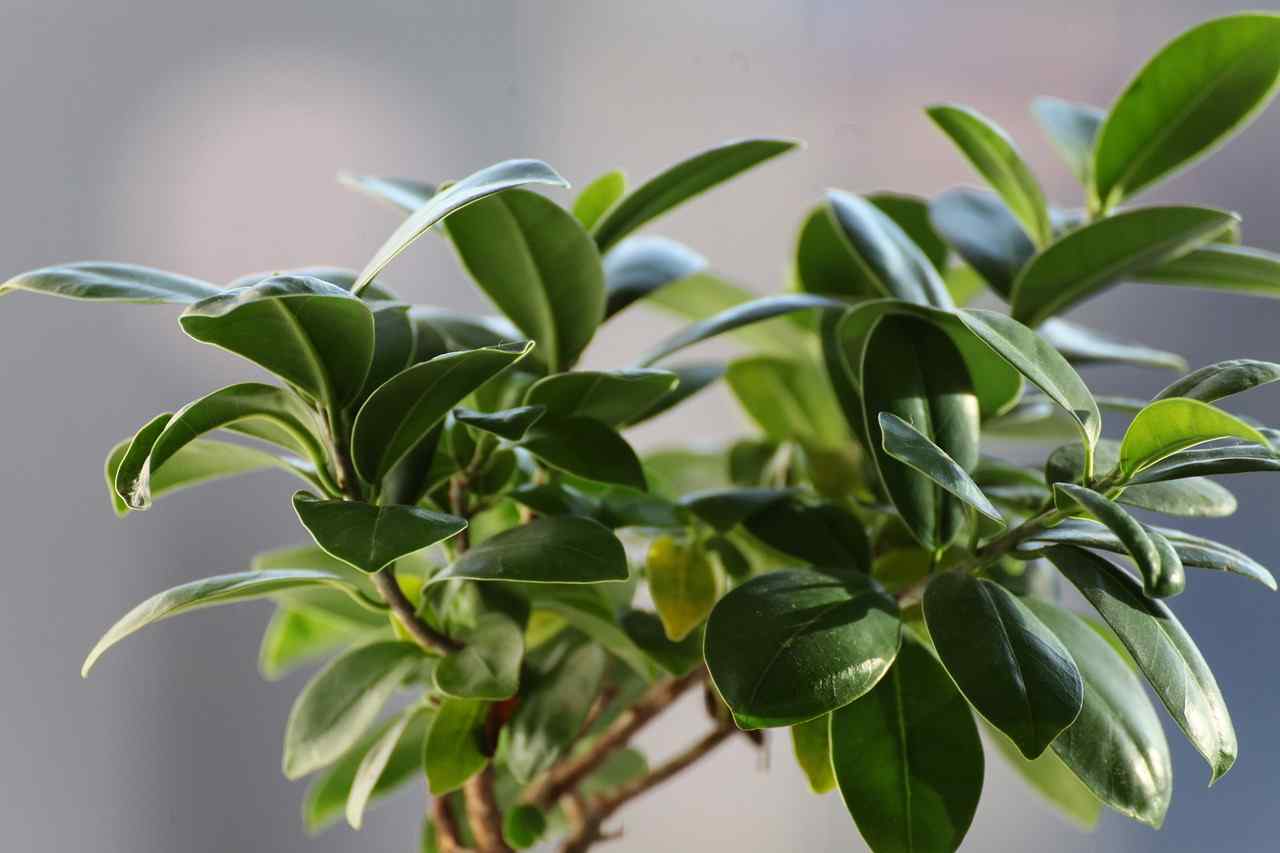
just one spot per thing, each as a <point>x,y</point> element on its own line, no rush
<point>506,592</point>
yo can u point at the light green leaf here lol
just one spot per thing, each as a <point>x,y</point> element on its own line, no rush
<point>402,193</point>
<point>488,666</point>
<point>690,379</point>
<point>454,750</point>
<point>909,446</point>
<point>683,583</point>
<point>1176,423</point>
<point>368,537</point>
<point>1053,780</point>
<point>296,636</point>
<point>1220,267</point>
<point>556,549</point>
<point>1192,497</point>
<point>109,282</point>
<point>598,196</point>
<point>378,759</point>
<point>1072,129</point>
<point>789,399</point>
<point>811,741</point>
<point>1085,347</point>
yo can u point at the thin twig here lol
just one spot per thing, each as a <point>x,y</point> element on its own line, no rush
<point>426,636</point>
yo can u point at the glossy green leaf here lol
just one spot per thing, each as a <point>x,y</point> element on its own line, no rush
<point>488,666</point>
<point>553,711</point>
<point>912,369</point>
<point>1072,129</point>
<point>1222,379</point>
<point>984,233</point>
<point>220,589</point>
<point>1176,423</point>
<point>487,181</point>
<point>402,411</point>
<point>586,448</point>
<point>889,263</point>
<point>996,158</point>
<point>369,537</point>
<point>811,742</point>
<point>1193,497</point>
<point>394,343</point>
<point>597,197</point>
<point>511,424</point>
<point>378,759</point>
<point>1102,253</point>
<point>911,213</point>
<point>1187,100</point>
<point>1200,462</point>
<point>1220,267</point>
<point>454,750</point>
<point>314,334</point>
<point>683,583</point>
<point>641,266</point>
<point>909,446</point>
<point>1162,650</point>
<point>1159,564</point>
<point>682,182</point>
<point>788,646</point>
<point>1041,364</point>
<point>403,193</point>
<point>556,549</point>
<point>824,535</point>
<point>1116,746</point>
<point>611,396</point>
<point>109,282</point>
<point>538,265</point>
<point>908,759</point>
<point>296,636</point>
<point>1085,347</point>
<point>724,509</point>
<point>342,702</point>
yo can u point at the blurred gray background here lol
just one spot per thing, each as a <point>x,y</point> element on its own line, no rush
<point>204,137</point>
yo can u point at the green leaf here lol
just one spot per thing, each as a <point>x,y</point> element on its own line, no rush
<point>788,398</point>
<point>825,535</point>
<point>788,646</point>
<point>219,589</point>
<point>1193,497</point>
<point>313,334</point>
<point>611,396</point>
<point>201,461</point>
<point>1009,666</point>
<point>683,584</point>
<point>487,181</point>
<point>825,261</point>
<point>454,750</point>
<point>1095,256</point>
<point>811,741</point>
<point>1220,267</point>
<point>889,264</point>
<point>403,193</point>
<point>1159,564</point>
<point>591,610</point>
<point>510,424</point>
<point>523,826</point>
<point>395,343</point>
<point>984,233</point>
<point>586,448</point>
<point>908,759</point>
<point>1162,650</point>
<point>905,443</point>
<point>1053,780</point>
<point>538,265</point>
<point>641,266</point>
<point>1176,423</point>
<point>342,701</point>
<point>488,666</point>
<point>996,158</point>
<point>1072,129</point>
<point>690,379</point>
<point>912,369</point>
<point>556,549</point>
<point>1041,364</point>
<point>1116,746</point>
<point>108,282</point>
<point>377,761</point>
<point>404,409</point>
<point>368,537</point>
<point>681,182</point>
<point>1085,347</point>
<point>724,509</point>
<point>296,636</point>
<point>598,196</point>
<point>1222,379</point>
<point>911,213</point>
<point>1233,459</point>
<point>553,711</point>
<point>1190,98</point>
<point>648,633</point>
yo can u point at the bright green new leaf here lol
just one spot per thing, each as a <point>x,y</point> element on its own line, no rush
<point>296,636</point>
<point>108,282</point>
<point>683,583</point>
<point>1072,129</point>
<point>1176,423</point>
<point>455,750</point>
<point>369,537</point>
<point>598,196</point>
<point>909,446</point>
<point>555,549</point>
<point>789,399</point>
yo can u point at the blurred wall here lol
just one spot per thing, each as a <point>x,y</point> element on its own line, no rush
<point>205,137</point>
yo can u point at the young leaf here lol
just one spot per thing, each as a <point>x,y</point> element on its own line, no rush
<point>552,713</point>
<point>1190,98</point>
<point>909,446</point>
<point>641,266</point>
<point>1005,661</point>
<point>1220,267</point>
<point>488,666</point>
<point>811,741</point>
<point>1102,253</point>
<point>108,282</point>
<point>368,537</point>
<point>557,549</point>
<point>1072,128</point>
<point>610,396</point>
<point>495,178</point>
<point>1176,423</point>
<point>341,702</point>
<point>1085,347</point>
<point>888,262</point>
<point>220,589</point>
<point>586,448</point>
<point>1222,379</point>
<point>984,233</point>
<point>993,154</point>
<point>683,583</point>
<point>538,265</point>
<point>454,750</point>
<point>908,759</point>
<point>911,369</point>
<point>1162,650</point>
<point>377,761</point>
<point>314,334</point>
<point>598,196</point>
<point>404,409</point>
<point>682,182</point>
<point>1116,746</point>
<point>788,646</point>
<point>1161,569</point>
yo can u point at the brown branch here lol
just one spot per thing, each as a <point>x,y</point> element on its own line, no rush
<point>566,775</point>
<point>447,834</point>
<point>483,813</point>
<point>426,636</point>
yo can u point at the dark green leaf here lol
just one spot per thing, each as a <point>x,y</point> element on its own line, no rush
<point>409,726</point>
<point>888,262</point>
<point>610,396</point>
<point>724,509</point>
<point>394,343</point>
<point>488,666</point>
<point>983,232</point>
<point>825,535</point>
<point>403,193</point>
<point>1084,347</point>
<point>642,265</point>
<point>1072,128</point>
<point>908,759</point>
<point>681,182</point>
<point>369,537</point>
<point>1176,423</point>
<point>454,750</point>
<point>110,282</point>
<point>523,826</point>
<point>1189,98</point>
<point>1102,253</point>
<point>911,213</point>
<point>1162,650</point>
<point>586,448</point>
<point>905,443</point>
<point>788,646</point>
<point>690,379</point>
<point>597,197</point>
<point>1234,459</point>
<point>1220,267</point>
<point>825,261</point>
<point>557,549</point>
<point>1193,497</point>
<point>1222,379</point>
<point>553,711</point>
<point>811,741</point>
<point>646,630</point>
<point>510,424</point>
<point>1161,569</point>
